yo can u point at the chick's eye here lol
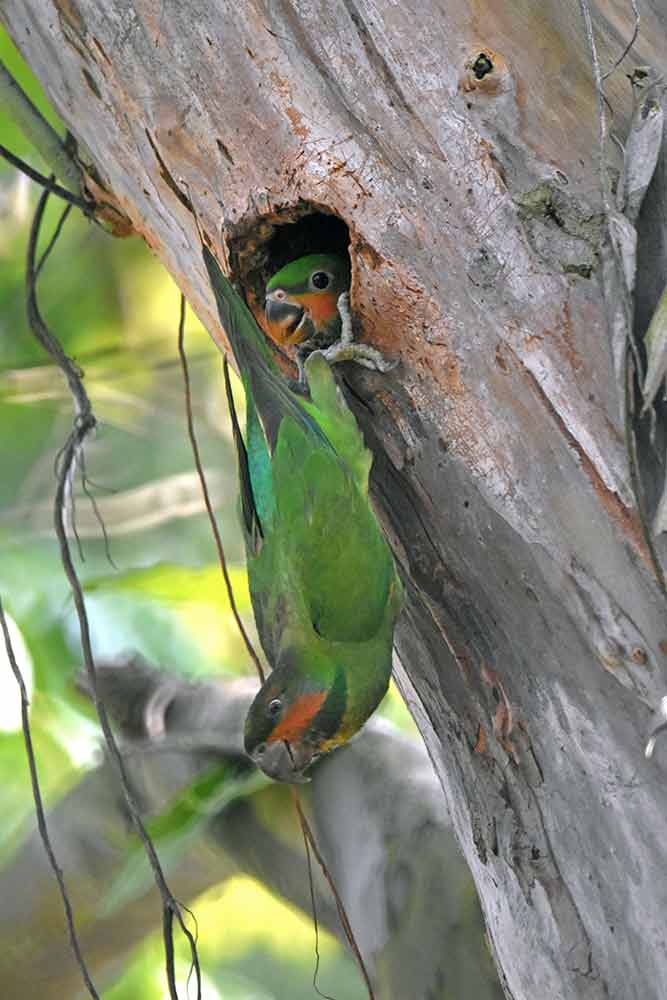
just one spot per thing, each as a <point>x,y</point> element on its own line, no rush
<point>320,279</point>
<point>274,707</point>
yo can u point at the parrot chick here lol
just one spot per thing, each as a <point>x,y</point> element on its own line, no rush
<point>323,585</point>
<point>308,306</point>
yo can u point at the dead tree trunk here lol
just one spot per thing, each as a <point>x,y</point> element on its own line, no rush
<point>455,146</point>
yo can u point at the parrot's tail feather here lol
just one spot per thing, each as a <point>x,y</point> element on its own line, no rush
<point>253,525</point>
<point>273,398</point>
<point>236,318</point>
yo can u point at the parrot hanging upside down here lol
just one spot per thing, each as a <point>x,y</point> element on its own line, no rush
<point>308,305</point>
<point>324,588</point>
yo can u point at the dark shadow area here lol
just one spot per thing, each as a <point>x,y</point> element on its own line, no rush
<point>314,233</point>
<point>260,245</point>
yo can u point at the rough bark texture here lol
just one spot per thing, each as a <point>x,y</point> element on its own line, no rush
<point>501,472</point>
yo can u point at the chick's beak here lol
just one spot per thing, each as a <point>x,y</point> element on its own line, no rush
<point>283,316</point>
<point>282,762</point>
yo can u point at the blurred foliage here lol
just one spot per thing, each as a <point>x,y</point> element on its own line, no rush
<point>116,313</point>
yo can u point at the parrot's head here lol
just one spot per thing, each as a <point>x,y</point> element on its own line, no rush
<point>294,719</point>
<point>302,298</point>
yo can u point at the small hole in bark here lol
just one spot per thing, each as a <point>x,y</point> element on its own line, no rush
<point>482,66</point>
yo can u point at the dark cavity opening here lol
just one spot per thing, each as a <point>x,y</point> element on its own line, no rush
<point>315,233</point>
<point>482,66</point>
<point>261,245</point>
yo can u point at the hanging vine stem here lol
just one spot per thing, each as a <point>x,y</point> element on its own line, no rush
<point>313,906</point>
<point>39,809</point>
<point>633,39</point>
<point>207,499</point>
<point>48,183</point>
<point>84,426</point>
<point>309,839</point>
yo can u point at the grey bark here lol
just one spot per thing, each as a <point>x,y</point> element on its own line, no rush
<point>501,471</point>
<point>377,801</point>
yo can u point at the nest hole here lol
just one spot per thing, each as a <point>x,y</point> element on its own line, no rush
<point>314,233</point>
<point>260,246</point>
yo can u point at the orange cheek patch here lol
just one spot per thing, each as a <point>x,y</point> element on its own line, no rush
<point>321,306</point>
<point>298,718</point>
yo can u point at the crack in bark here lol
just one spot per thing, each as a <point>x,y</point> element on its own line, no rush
<point>166,176</point>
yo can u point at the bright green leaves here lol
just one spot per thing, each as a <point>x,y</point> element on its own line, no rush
<point>182,612</point>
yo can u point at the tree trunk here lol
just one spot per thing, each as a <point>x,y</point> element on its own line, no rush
<point>458,144</point>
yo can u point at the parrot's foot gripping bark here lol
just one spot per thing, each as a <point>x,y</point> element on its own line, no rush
<point>345,348</point>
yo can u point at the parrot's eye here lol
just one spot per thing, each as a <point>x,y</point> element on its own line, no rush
<point>320,279</point>
<point>279,295</point>
<point>274,707</point>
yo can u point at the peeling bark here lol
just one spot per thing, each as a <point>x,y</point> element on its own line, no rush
<point>475,221</point>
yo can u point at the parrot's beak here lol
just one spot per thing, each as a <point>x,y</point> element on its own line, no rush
<point>284,317</point>
<point>281,762</point>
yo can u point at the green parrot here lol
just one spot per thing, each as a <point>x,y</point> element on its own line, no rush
<point>308,306</point>
<point>323,584</point>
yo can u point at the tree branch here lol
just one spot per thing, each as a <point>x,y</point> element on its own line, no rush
<point>43,137</point>
<point>409,895</point>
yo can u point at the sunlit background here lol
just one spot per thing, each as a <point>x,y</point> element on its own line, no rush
<point>157,588</point>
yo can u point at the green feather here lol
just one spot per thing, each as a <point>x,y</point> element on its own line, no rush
<point>294,277</point>
<point>323,584</point>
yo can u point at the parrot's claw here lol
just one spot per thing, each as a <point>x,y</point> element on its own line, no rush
<point>300,357</point>
<point>345,349</point>
<point>345,313</point>
<point>363,354</point>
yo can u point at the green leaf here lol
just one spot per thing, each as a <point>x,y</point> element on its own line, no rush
<point>29,84</point>
<point>176,584</point>
<point>173,830</point>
